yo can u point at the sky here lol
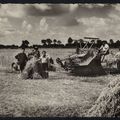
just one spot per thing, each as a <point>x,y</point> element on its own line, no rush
<point>35,22</point>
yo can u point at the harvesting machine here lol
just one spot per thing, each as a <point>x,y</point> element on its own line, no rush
<point>86,63</point>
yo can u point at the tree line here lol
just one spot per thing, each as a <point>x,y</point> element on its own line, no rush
<point>71,43</point>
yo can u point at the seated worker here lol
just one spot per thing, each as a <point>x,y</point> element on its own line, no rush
<point>22,59</point>
<point>15,66</point>
<point>104,50</point>
<point>45,63</point>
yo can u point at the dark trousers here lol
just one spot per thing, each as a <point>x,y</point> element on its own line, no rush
<point>22,66</point>
<point>45,68</point>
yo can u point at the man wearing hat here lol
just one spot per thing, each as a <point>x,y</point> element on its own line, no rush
<point>104,49</point>
<point>22,59</point>
<point>35,52</point>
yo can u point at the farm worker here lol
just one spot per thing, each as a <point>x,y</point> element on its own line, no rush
<point>34,51</point>
<point>51,60</point>
<point>30,55</point>
<point>22,59</point>
<point>45,63</point>
<point>104,49</point>
<point>15,66</point>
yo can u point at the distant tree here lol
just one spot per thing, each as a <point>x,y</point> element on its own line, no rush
<point>35,45</point>
<point>111,42</point>
<point>25,43</point>
<point>44,42</point>
<point>54,41</point>
<point>75,43</point>
<point>13,46</point>
<point>59,42</point>
<point>49,41</point>
<point>117,44</point>
<point>70,40</point>
<point>2,46</point>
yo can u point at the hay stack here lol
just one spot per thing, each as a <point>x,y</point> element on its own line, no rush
<point>32,70</point>
<point>108,103</point>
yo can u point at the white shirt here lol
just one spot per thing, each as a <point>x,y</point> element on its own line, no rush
<point>44,59</point>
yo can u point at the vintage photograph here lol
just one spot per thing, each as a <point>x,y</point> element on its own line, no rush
<point>59,60</point>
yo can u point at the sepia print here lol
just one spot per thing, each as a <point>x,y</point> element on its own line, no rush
<point>59,60</point>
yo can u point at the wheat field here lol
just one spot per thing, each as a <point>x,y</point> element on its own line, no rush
<point>61,95</point>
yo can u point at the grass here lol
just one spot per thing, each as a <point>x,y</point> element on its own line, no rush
<point>61,95</point>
